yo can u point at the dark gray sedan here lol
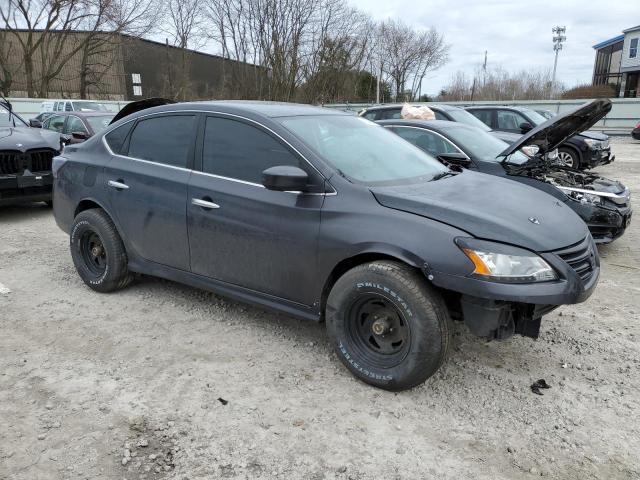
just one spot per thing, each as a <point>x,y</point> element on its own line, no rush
<point>322,215</point>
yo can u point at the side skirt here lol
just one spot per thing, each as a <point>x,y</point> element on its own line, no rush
<point>225,289</point>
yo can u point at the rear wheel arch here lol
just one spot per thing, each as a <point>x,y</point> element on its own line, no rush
<point>89,204</point>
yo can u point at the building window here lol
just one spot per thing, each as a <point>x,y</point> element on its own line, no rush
<point>137,90</point>
<point>135,77</point>
<point>633,48</point>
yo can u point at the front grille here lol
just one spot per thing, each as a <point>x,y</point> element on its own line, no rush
<point>9,164</point>
<point>581,257</point>
<point>41,160</point>
<point>36,160</point>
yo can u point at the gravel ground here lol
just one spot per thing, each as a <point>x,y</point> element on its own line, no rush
<point>165,381</point>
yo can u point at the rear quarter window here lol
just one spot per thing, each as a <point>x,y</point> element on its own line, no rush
<point>116,138</point>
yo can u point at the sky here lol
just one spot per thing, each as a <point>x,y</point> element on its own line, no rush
<point>516,33</point>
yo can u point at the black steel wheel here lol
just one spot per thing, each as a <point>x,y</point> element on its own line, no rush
<point>387,325</point>
<point>98,252</point>
<point>378,329</point>
<point>93,252</point>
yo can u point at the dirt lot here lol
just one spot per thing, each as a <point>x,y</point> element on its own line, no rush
<point>164,381</point>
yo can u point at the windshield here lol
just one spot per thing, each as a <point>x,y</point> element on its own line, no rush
<point>462,116</point>
<point>534,116</point>
<point>99,123</point>
<point>5,121</point>
<point>363,151</point>
<point>93,106</point>
<point>482,145</point>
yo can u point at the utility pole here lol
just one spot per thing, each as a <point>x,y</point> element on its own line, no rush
<point>558,39</point>
<point>484,69</point>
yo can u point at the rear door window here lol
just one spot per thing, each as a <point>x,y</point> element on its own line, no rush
<point>166,139</point>
<point>116,137</point>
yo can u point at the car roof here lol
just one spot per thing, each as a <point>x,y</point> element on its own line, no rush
<point>390,106</point>
<point>92,113</point>
<point>437,125</point>
<point>241,107</point>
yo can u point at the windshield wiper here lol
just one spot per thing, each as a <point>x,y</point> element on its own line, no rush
<point>444,174</point>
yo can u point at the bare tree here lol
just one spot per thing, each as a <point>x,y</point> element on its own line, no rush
<point>102,43</point>
<point>406,55</point>
<point>498,84</point>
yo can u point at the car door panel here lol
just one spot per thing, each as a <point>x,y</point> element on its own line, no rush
<point>149,197</point>
<point>252,225</point>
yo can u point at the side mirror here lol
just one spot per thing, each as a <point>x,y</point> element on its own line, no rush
<point>80,135</point>
<point>525,127</point>
<point>456,158</point>
<point>283,178</point>
<point>35,123</point>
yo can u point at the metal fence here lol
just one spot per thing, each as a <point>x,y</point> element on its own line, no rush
<point>624,115</point>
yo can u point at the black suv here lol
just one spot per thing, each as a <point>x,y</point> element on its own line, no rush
<point>322,215</point>
<point>584,150</point>
<point>26,154</point>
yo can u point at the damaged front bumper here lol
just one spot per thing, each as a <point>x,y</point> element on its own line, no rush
<point>25,188</point>
<point>498,310</point>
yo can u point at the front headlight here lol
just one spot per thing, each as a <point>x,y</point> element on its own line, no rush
<point>504,263</point>
<point>585,198</point>
<point>594,144</point>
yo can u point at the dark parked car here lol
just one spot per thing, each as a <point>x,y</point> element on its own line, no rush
<point>546,113</point>
<point>36,121</point>
<point>326,216</point>
<point>635,133</point>
<point>76,127</point>
<point>25,159</point>
<point>605,205</point>
<point>442,112</point>
<point>583,150</point>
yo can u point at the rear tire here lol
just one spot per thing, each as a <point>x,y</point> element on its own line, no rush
<point>98,252</point>
<point>387,325</point>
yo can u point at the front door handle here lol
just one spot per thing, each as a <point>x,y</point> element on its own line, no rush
<point>118,185</point>
<point>201,202</point>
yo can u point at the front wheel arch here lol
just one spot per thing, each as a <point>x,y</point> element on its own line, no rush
<point>348,263</point>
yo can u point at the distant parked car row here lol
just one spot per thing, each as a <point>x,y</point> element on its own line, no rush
<point>584,150</point>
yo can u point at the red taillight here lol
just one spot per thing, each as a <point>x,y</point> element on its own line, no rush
<point>638,125</point>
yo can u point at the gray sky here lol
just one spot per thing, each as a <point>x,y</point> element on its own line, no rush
<point>516,33</point>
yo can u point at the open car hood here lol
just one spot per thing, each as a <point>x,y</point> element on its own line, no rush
<point>134,107</point>
<point>549,135</point>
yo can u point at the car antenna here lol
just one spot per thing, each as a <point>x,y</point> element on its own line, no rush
<point>7,104</point>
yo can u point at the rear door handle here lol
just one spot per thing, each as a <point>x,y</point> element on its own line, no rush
<point>118,185</point>
<point>199,202</point>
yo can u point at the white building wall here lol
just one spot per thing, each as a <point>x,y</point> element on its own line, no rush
<point>628,62</point>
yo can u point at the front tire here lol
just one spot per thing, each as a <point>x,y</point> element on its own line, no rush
<point>98,252</point>
<point>387,325</point>
<point>568,158</point>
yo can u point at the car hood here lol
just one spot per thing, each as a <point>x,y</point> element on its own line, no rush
<point>134,107</point>
<point>508,137</point>
<point>491,208</point>
<point>27,138</point>
<point>550,134</point>
<point>594,135</point>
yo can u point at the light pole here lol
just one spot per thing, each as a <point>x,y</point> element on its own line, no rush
<point>558,40</point>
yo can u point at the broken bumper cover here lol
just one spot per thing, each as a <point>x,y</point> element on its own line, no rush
<point>25,188</point>
<point>498,310</point>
